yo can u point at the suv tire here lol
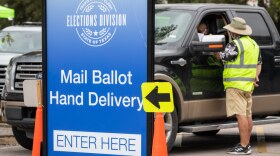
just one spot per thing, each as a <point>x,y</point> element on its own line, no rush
<point>171,128</point>
<point>22,138</point>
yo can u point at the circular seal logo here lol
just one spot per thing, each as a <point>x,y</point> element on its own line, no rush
<point>96,21</point>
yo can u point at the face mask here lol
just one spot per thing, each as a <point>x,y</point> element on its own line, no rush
<point>234,36</point>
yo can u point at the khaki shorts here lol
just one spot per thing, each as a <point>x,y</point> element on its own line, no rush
<point>238,102</point>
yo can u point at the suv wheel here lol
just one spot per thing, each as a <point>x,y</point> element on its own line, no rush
<point>171,128</point>
<point>207,133</point>
<point>22,138</point>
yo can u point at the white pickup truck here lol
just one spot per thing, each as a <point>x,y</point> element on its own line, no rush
<point>14,42</point>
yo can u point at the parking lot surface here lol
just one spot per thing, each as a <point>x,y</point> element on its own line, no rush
<point>265,141</point>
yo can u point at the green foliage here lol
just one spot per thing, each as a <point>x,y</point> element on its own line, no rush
<point>25,10</point>
<point>30,10</point>
<point>273,9</point>
<point>208,1</point>
<point>8,38</point>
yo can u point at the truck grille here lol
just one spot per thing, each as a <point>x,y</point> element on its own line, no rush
<point>2,77</point>
<point>26,71</point>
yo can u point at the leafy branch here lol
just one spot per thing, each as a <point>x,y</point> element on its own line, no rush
<point>8,39</point>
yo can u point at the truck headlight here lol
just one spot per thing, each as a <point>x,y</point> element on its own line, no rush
<point>7,77</point>
<point>9,73</point>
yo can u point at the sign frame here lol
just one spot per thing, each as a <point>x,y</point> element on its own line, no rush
<point>150,75</point>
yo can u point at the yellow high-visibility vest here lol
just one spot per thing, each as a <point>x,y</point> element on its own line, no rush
<point>241,73</point>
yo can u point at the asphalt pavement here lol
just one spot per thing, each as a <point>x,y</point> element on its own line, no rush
<point>5,130</point>
<point>6,137</point>
<point>265,141</point>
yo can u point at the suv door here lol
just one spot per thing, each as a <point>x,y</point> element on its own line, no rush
<point>206,72</point>
<point>205,85</point>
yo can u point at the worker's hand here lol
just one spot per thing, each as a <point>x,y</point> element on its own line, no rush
<point>256,81</point>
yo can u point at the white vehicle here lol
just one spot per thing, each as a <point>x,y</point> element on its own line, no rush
<point>4,60</point>
<point>15,41</point>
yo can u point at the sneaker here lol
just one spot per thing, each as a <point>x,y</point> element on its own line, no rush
<point>239,150</point>
<point>249,147</point>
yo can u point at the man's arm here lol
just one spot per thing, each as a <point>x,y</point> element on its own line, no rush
<point>259,69</point>
<point>229,54</point>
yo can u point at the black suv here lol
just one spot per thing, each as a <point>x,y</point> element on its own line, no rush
<point>196,76</point>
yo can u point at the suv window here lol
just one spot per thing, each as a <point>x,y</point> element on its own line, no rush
<point>260,33</point>
<point>220,22</point>
<point>215,23</point>
<point>20,41</point>
<point>170,25</point>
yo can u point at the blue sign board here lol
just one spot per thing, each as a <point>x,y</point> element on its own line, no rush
<point>97,55</point>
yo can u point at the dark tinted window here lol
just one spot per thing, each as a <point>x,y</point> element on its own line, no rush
<point>260,33</point>
<point>220,24</point>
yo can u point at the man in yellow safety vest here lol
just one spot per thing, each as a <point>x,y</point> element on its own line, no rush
<point>242,66</point>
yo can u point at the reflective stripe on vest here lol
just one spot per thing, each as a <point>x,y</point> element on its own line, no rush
<point>239,79</point>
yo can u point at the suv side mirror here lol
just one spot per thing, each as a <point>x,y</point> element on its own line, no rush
<point>209,43</point>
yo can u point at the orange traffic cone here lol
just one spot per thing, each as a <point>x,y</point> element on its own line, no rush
<point>38,131</point>
<point>159,141</point>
